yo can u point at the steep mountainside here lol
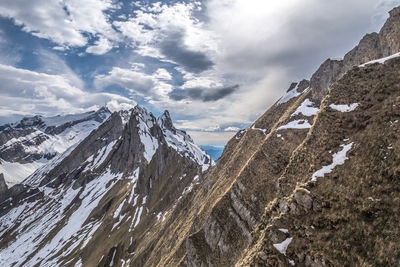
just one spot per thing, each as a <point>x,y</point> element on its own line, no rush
<point>33,141</point>
<point>313,182</point>
<point>120,179</point>
<point>337,199</point>
<point>224,222</point>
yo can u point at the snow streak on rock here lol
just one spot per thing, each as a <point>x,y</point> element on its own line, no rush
<point>338,159</point>
<point>344,108</point>
<point>306,108</point>
<point>381,60</point>
<point>297,124</point>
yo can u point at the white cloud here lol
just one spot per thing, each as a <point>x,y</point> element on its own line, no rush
<point>260,45</point>
<point>28,92</point>
<point>211,138</point>
<point>152,87</point>
<point>62,22</point>
<point>131,80</point>
<point>114,105</point>
<point>100,47</point>
<point>263,46</point>
<point>231,129</point>
<point>162,74</point>
<point>153,23</point>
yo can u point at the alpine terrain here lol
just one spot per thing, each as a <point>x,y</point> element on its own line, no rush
<point>313,182</point>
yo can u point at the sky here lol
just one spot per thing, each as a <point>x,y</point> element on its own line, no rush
<point>216,65</point>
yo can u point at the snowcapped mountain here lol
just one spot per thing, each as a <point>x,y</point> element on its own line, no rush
<point>130,159</point>
<point>39,143</point>
<point>182,142</point>
<point>32,142</point>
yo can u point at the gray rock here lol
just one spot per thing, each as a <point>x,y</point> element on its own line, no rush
<point>303,199</point>
<point>329,72</point>
<point>3,186</point>
<point>283,206</point>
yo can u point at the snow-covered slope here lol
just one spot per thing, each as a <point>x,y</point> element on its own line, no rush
<point>32,142</point>
<point>64,205</point>
<point>182,142</point>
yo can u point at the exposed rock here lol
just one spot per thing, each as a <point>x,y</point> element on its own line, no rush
<point>303,199</point>
<point>372,46</point>
<point>390,34</point>
<point>327,73</point>
<point>369,48</point>
<point>3,186</point>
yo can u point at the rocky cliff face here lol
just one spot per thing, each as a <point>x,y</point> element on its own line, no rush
<point>124,177</point>
<point>372,46</point>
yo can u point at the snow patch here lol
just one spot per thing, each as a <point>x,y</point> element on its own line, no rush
<point>344,108</point>
<point>150,143</point>
<point>91,196</point>
<point>118,210</point>
<point>338,159</point>
<point>381,60</point>
<point>291,94</point>
<point>306,108</point>
<point>297,124</point>
<point>264,131</point>
<point>15,173</point>
<point>282,247</point>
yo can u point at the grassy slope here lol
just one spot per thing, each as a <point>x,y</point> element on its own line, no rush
<point>353,219</point>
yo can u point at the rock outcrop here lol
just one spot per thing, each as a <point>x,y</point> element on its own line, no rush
<point>3,187</point>
<point>372,46</point>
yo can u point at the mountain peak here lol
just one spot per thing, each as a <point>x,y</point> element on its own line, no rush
<point>165,121</point>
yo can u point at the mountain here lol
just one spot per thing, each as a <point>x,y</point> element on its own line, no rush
<point>32,142</point>
<point>313,182</point>
<point>112,180</point>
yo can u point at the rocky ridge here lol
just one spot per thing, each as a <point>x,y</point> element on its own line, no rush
<point>112,181</point>
<point>33,141</point>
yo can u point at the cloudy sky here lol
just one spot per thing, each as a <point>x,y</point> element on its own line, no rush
<point>216,65</point>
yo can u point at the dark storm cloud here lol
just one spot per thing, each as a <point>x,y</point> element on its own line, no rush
<point>204,94</point>
<point>193,61</point>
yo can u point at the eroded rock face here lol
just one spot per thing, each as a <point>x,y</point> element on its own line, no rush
<point>99,138</point>
<point>372,46</point>
<point>131,151</point>
<point>303,199</point>
<point>390,34</point>
<point>368,48</point>
<point>327,73</point>
<point>3,187</point>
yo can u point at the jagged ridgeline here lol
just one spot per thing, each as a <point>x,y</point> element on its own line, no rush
<point>313,182</point>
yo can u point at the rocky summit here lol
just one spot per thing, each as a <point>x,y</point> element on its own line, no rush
<point>313,182</point>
